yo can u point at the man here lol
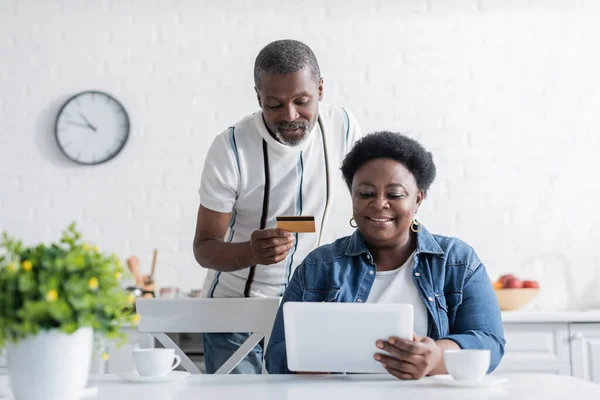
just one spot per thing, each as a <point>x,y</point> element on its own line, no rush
<point>281,161</point>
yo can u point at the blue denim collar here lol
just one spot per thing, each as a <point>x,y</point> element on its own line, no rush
<point>426,243</point>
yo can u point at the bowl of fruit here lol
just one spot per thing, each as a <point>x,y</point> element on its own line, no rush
<point>513,293</point>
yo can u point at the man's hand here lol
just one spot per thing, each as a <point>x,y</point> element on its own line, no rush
<point>270,246</point>
<point>409,359</point>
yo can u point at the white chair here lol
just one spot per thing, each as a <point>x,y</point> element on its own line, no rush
<point>198,315</point>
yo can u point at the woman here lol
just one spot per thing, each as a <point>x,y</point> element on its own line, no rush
<point>392,258</point>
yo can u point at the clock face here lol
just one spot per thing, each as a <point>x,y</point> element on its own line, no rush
<point>92,127</point>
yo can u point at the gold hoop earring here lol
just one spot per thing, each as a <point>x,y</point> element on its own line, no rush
<point>416,225</point>
<point>353,222</point>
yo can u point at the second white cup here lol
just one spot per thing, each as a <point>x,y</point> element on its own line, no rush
<point>468,364</point>
<point>155,362</point>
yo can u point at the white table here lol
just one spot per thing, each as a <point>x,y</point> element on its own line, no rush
<point>343,387</point>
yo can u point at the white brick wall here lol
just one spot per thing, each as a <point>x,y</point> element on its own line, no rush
<point>505,93</point>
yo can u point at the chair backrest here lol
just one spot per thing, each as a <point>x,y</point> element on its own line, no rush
<point>201,315</point>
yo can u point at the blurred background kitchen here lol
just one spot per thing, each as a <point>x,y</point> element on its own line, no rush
<point>505,93</point>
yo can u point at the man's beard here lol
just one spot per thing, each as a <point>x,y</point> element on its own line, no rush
<point>291,126</point>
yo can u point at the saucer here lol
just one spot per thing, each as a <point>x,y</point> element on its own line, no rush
<point>90,391</point>
<point>448,380</point>
<point>170,377</point>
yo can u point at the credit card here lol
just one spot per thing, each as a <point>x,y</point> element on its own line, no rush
<point>296,223</point>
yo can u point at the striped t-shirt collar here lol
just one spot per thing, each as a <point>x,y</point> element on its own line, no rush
<point>276,145</point>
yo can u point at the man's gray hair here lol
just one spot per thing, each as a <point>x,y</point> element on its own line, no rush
<point>285,57</point>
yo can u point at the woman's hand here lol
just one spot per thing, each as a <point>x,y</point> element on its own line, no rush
<point>410,359</point>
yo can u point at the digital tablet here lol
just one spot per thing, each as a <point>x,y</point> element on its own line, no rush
<point>341,337</point>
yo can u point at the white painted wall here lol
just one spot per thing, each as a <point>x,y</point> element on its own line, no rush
<point>505,93</point>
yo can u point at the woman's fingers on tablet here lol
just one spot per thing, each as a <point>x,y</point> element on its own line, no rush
<point>414,367</point>
<point>407,345</point>
<point>398,353</point>
<point>397,364</point>
<point>400,369</point>
<point>423,355</point>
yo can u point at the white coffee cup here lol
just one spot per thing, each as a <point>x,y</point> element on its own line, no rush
<point>467,364</point>
<point>155,362</point>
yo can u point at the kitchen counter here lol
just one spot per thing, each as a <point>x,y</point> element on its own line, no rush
<point>539,316</point>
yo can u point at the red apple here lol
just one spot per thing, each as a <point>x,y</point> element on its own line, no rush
<point>513,283</point>
<point>531,284</point>
<point>504,278</point>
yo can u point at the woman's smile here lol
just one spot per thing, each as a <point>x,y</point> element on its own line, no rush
<point>380,222</point>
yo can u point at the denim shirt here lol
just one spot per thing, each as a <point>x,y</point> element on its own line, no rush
<point>450,278</point>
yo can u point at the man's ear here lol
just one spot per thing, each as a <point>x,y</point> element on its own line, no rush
<point>258,97</point>
<point>320,89</point>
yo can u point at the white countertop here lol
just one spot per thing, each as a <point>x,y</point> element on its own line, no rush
<point>538,316</point>
<point>344,387</point>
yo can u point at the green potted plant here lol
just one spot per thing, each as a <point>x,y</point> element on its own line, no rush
<point>53,300</point>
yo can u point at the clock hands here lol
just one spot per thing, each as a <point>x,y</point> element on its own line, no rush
<point>86,125</point>
<point>78,124</point>
<point>92,127</point>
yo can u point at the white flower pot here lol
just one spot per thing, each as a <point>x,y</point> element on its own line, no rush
<point>52,365</point>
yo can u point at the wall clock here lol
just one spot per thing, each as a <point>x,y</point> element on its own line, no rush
<point>92,127</point>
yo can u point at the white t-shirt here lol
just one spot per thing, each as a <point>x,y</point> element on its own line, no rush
<point>233,180</point>
<point>397,286</point>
